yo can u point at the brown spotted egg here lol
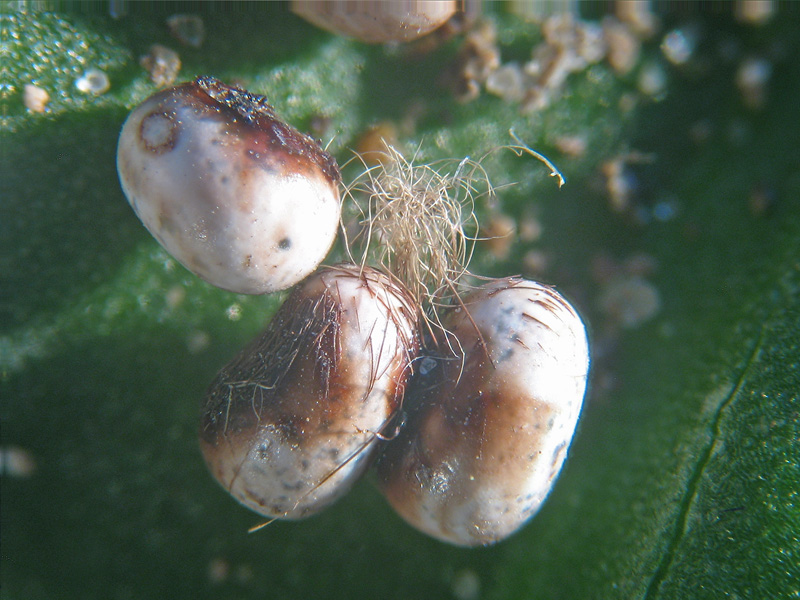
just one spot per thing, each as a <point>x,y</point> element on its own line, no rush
<point>377,22</point>
<point>236,195</point>
<point>495,413</point>
<point>291,423</point>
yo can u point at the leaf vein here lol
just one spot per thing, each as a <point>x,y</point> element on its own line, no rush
<point>694,481</point>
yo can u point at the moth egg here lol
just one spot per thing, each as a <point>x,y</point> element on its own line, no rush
<point>377,22</point>
<point>239,197</point>
<point>493,418</point>
<point>291,423</point>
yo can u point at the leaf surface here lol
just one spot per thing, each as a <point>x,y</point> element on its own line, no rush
<point>684,477</point>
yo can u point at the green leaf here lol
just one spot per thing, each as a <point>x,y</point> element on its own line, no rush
<point>684,476</point>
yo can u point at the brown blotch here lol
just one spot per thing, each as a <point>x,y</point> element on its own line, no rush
<point>158,142</point>
<point>255,114</point>
<point>287,371</point>
<point>465,415</point>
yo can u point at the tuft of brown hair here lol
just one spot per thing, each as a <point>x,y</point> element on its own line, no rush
<point>417,221</point>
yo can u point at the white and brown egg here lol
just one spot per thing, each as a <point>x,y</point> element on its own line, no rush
<point>291,423</point>
<point>239,197</point>
<point>493,419</point>
<point>377,22</point>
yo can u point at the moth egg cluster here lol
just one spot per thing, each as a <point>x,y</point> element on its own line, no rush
<point>470,428</point>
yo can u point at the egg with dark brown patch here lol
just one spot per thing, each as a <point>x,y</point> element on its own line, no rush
<point>239,197</point>
<point>291,423</point>
<point>495,412</point>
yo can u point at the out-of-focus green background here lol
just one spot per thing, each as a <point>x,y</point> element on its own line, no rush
<point>684,477</point>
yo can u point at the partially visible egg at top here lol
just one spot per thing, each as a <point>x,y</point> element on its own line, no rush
<point>377,22</point>
<point>239,197</point>
<point>496,410</point>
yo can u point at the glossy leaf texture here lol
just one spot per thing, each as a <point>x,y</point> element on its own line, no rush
<point>684,478</point>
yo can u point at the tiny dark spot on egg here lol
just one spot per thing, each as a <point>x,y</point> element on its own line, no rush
<point>293,487</point>
<point>166,224</point>
<point>255,496</point>
<point>290,428</point>
<point>285,244</point>
<point>263,451</point>
<point>505,355</point>
<point>508,310</point>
